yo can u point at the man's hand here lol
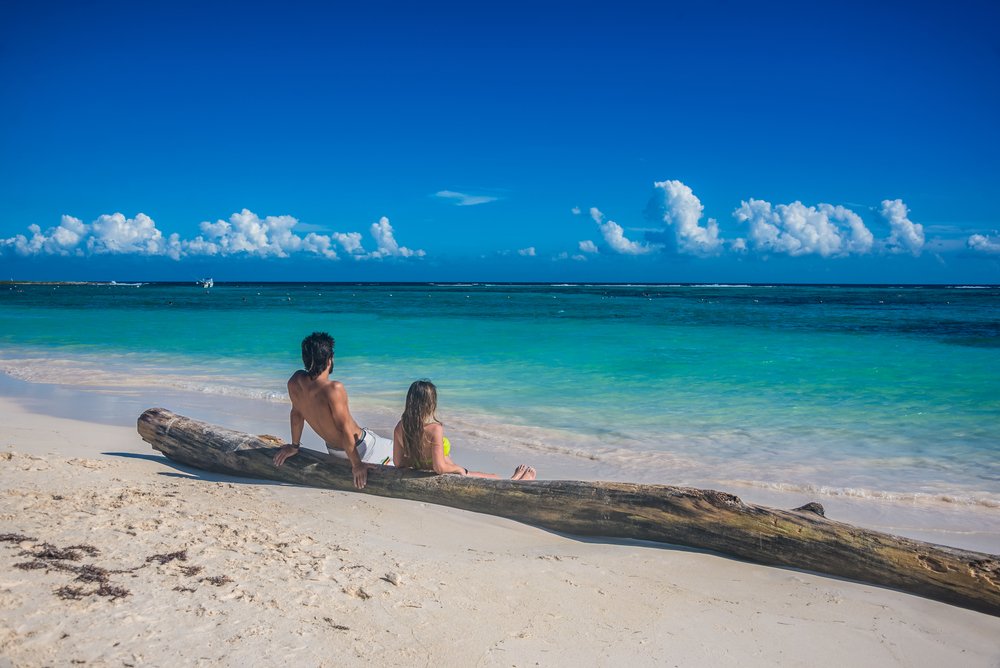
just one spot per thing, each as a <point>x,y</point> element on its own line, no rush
<point>361,474</point>
<point>286,451</point>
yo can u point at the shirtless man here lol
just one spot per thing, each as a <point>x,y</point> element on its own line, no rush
<point>322,403</point>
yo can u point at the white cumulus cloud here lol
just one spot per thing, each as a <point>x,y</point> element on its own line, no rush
<point>320,244</point>
<point>527,252</point>
<point>385,240</point>
<point>682,210</point>
<point>796,229</point>
<point>984,244</point>
<point>114,233</point>
<point>350,242</point>
<point>110,233</point>
<point>63,239</point>
<point>614,235</point>
<point>906,236</point>
<point>464,199</point>
<point>247,233</point>
<point>244,233</point>
<point>860,239</point>
<point>588,246</point>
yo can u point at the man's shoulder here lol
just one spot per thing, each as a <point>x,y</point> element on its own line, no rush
<point>335,387</point>
<point>296,380</point>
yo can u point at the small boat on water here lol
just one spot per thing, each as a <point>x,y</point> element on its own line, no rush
<point>206,282</point>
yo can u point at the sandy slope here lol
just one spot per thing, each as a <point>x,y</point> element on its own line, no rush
<point>205,569</point>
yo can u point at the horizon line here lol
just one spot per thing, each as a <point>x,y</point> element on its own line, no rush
<point>137,283</point>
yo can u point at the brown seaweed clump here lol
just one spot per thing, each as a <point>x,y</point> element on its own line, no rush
<point>112,591</point>
<point>34,565</point>
<point>89,549</point>
<point>15,538</point>
<point>53,553</point>
<point>49,557</point>
<point>71,593</point>
<point>92,574</point>
<point>180,555</point>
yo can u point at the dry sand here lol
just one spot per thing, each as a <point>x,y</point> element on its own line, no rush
<point>179,567</point>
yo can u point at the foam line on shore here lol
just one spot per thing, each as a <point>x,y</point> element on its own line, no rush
<point>483,439</point>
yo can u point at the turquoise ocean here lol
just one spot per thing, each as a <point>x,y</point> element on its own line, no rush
<point>882,401</point>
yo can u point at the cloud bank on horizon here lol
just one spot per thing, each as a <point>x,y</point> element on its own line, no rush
<point>244,234</point>
<point>794,230</point>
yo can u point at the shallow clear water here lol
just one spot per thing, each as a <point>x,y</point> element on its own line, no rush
<point>869,392</point>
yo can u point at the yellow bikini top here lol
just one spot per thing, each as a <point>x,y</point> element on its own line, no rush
<point>447,450</point>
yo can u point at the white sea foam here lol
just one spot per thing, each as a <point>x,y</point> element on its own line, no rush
<point>982,499</point>
<point>703,455</point>
<point>85,372</point>
<point>726,285</point>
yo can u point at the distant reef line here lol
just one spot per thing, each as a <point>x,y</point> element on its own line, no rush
<point>554,284</point>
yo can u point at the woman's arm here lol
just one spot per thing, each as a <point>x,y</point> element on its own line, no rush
<point>480,474</point>
<point>441,463</point>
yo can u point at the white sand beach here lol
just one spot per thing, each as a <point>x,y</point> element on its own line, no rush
<point>175,566</point>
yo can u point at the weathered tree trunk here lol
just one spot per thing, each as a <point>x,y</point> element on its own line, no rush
<point>801,538</point>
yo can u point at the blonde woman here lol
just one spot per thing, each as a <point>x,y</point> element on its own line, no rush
<point>419,442</point>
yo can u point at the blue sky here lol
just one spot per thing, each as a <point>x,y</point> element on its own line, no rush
<point>717,141</point>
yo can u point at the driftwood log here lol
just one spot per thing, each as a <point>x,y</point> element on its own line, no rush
<point>802,538</point>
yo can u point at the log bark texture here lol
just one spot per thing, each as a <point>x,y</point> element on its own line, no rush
<point>802,538</point>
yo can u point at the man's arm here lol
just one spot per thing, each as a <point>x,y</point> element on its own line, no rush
<point>291,449</point>
<point>358,467</point>
<point>344,421</point>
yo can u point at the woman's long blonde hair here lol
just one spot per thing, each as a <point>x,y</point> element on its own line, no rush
<point>421,402</point>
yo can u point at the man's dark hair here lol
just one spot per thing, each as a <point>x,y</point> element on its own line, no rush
<point>317,351</point>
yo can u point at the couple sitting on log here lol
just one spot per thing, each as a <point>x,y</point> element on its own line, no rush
<point>418,440</point>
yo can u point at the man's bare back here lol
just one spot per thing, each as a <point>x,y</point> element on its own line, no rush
<point>322,403</point>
